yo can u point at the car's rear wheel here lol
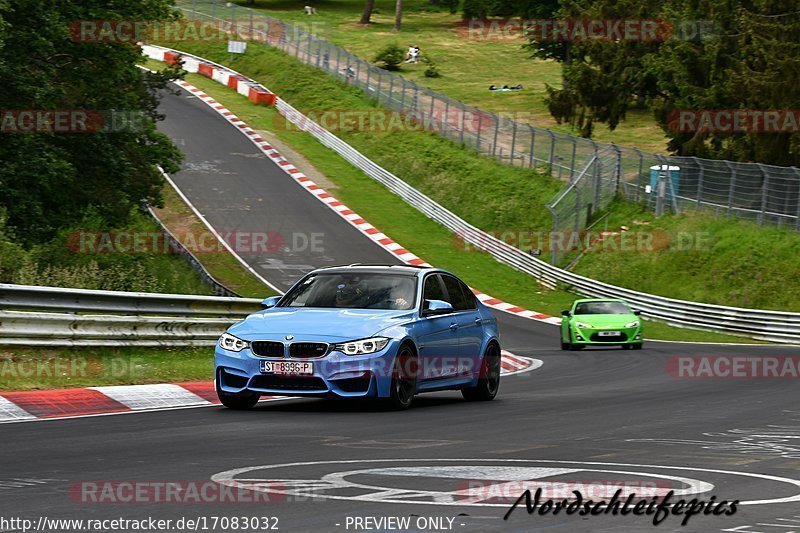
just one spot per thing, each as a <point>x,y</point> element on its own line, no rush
<point>404,379</point>
<point>489,379</point>
<point>239,401</point>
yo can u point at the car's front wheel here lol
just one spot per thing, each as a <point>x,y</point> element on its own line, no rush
<point>240,401</point>
<point>404,379</point>
<point>489,380</point>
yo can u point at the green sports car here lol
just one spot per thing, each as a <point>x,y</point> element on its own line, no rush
<point>601,322</point>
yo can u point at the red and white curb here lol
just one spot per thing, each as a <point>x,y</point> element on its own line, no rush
<point>357,221</point>
<point>26,406</point>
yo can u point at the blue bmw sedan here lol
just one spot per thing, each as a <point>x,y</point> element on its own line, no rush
<point>361,331</point>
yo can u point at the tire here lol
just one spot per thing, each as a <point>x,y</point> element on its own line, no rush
<point>404,380</point>
<point>241,401</point>
<point>637,346</point>
<point>627,346</point>
<point>489,379</point>
<point>565,345</point>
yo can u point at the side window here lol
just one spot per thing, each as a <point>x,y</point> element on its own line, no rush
<point>432,290</point>
<point>454,294</point>
<point>468,296</point>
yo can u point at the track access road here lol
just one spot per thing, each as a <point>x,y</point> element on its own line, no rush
<point>587,420</point>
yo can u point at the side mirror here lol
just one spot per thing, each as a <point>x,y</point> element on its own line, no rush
<point>637,312</point>
<point>436,307</point>
<point>270,302</point>
<point>566,313</point>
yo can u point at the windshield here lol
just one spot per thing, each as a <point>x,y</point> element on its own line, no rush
<point>354,291</point>
<point>602,308</point>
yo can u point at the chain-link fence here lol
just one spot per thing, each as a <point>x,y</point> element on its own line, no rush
<point>763,193</point>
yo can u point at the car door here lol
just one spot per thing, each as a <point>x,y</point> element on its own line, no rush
<point>437,335</point>
<point>470,327</point>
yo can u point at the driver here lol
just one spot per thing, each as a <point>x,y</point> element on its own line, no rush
<point>350,292</point>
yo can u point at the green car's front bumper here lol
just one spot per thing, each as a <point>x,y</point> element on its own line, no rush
<point>598,335</point>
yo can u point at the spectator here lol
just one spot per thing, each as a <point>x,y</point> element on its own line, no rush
<point>309,10</point>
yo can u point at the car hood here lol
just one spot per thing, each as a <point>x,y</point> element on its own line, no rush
<point>345,324</point>
<point>605,321</point>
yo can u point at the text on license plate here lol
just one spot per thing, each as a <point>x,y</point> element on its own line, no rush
<point>608,333</point>
<point>287,367</point>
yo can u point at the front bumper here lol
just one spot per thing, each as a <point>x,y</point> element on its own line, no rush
<point>593,336</point>
<point>335,375</point>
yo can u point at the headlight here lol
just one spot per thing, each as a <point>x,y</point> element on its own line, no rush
<point>583,325</point>
<point>234,344</point>
<point>634,324</point>
<point>362,346</point>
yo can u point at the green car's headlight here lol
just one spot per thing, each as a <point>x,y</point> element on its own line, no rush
<point>634,324</point>
<point>583,325</point>
<point>231,343</point>
<point>362,346</point>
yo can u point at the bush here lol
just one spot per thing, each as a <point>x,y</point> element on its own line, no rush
<point>431,70</point>
<point>391,56</point>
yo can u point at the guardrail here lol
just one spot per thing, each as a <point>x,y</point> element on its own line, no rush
<point>54,316</point>
<point>35,298</point>
<point>773,326</point>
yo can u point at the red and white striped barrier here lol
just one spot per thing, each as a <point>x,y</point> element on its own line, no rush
<point>27,406</point>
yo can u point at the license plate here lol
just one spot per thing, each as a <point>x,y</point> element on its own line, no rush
<point>287,367</point>
<point>608,333</point>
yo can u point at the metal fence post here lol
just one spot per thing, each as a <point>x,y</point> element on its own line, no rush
<point>552,233</point>
<point>552,152</point>
<point>513,140</point>
<point>797,212</point>
<point>378,89</point>
<point>732,186</point>
<point>496,131</point>
<point>572,163</point>
<point>532,159</point>
<point>430,120</point>
<point>700,177</point>
<point>461,126</point>
<point>213,9</point>
<point>478,138</point>
<point>445,117</point>
<point>764,187</point>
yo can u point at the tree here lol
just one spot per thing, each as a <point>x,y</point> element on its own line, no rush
<point>48,181</point>
<point>600,77</point>
<point>369,5</point>
<point>398,14</point>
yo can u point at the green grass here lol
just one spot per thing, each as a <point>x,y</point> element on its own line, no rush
<point>180,219</point>
<point>402,222</point>
<point>704,258</point>
<point>41,369</point>
<point>65,262</point>
<point>468,66</point>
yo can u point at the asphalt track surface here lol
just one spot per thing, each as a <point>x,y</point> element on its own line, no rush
<point>591,418</point>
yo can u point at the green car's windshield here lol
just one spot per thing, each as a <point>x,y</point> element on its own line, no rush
<point>602,308</point>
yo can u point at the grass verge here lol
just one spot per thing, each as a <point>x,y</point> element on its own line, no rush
<point>39,369</point>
